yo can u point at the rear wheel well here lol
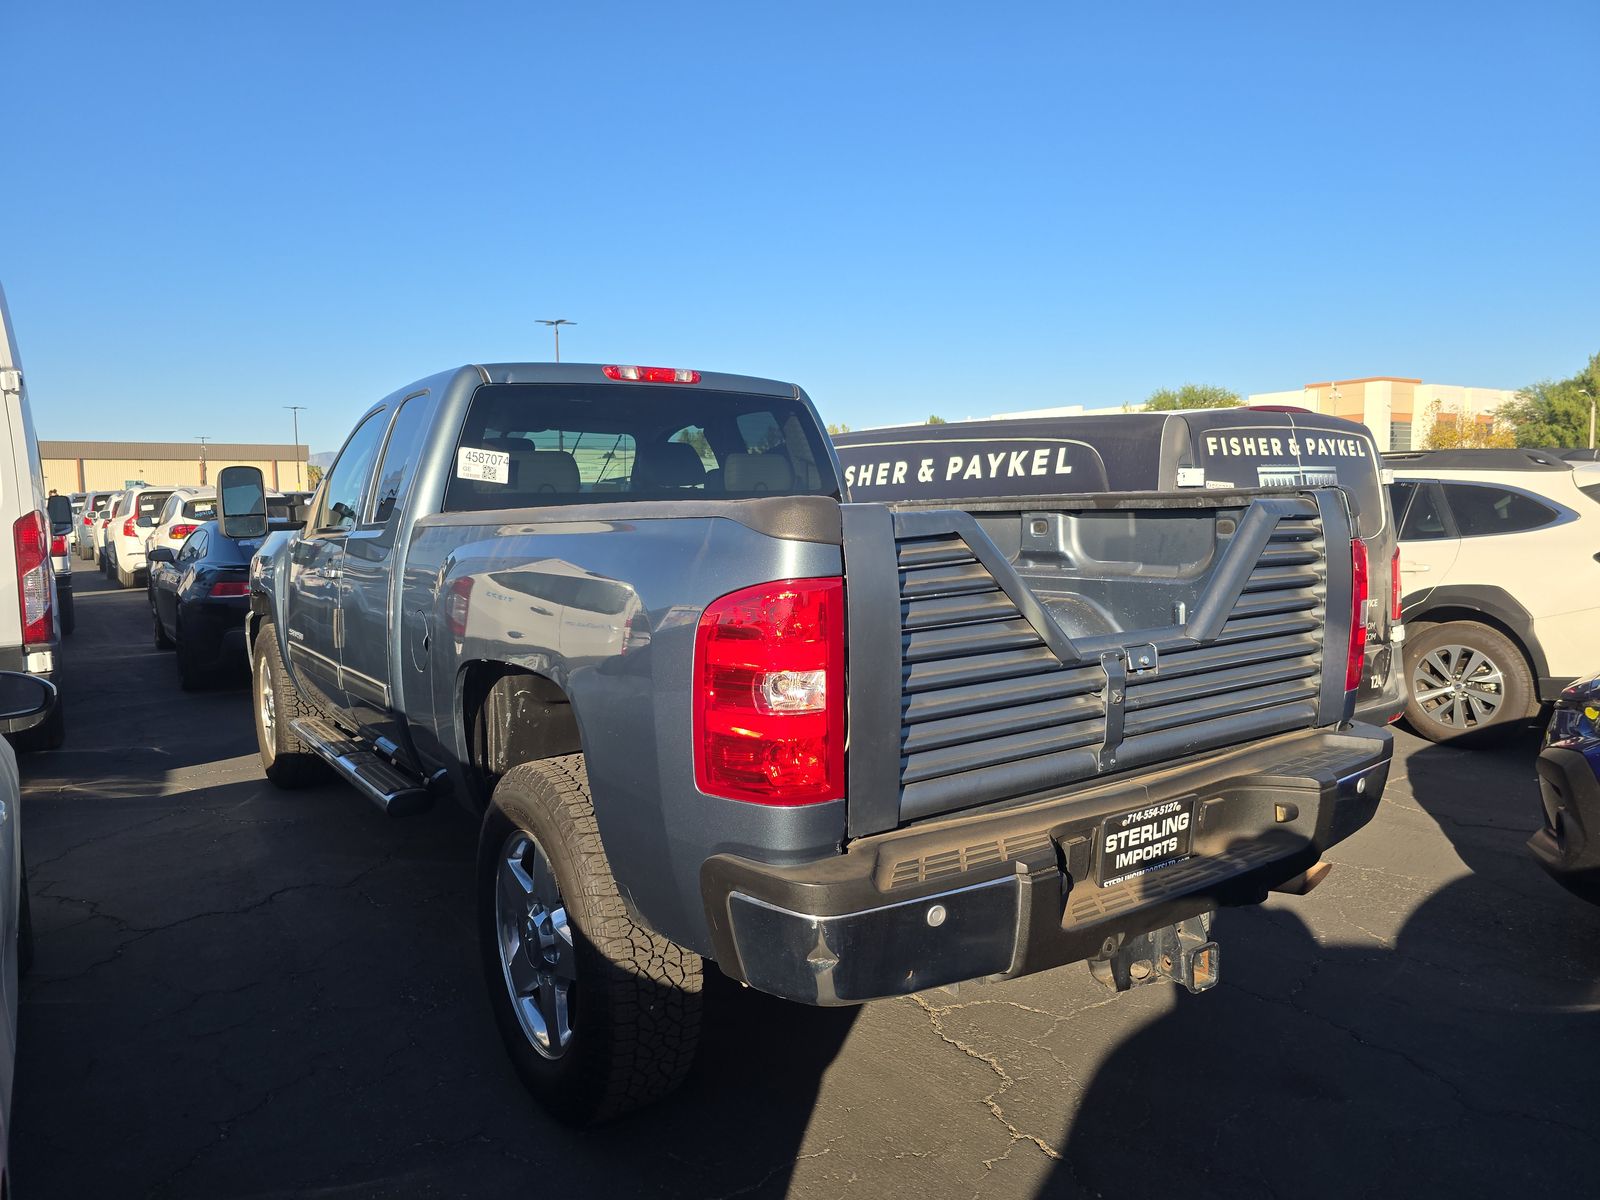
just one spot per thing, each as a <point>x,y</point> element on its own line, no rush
<point>511,716</point>
<point>1439,616</point>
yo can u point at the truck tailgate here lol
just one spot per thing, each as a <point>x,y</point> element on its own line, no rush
<point>1000,653</point>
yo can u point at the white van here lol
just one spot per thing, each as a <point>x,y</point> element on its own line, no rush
<point>30,625</point>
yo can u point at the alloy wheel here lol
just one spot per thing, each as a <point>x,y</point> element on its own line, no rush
<point>535,943</point>
<point>1458,687</point>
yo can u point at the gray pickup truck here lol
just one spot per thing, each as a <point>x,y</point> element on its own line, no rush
<point>709,713</point>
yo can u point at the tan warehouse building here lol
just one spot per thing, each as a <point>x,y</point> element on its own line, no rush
<point>105,466</point>
<point>1399,411</point>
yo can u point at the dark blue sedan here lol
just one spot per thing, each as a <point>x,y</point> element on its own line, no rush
<point>1568,845</point>
<point>198,600</point>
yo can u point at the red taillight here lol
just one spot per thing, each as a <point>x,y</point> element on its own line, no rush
<point>58,545</point>
<point>178,532</point>
<point>456,606</point>
<point>651,374</point>
<point>33,577</point>
<point>769,694</point>
<point>225,588</point>
<point>1356,663</point>
<point>127,527</point>
<point>88,520</point>
<point>1394,586</point>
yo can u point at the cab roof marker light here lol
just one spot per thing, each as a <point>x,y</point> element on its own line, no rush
<point>651,374</point>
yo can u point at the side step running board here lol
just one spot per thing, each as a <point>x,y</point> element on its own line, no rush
<point>387,786</point>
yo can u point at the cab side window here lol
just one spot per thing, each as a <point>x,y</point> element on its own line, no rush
<point>193,548</point>
<point>347,482</point>
<point>400,457</point>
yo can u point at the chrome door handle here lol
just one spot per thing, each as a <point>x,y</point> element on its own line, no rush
<point>1405,570</point>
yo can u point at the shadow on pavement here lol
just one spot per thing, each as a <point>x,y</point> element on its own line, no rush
<point>1460,1060</point>
<point>246,992</point>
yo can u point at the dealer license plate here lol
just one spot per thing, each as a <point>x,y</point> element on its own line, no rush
<point>1132,843</point>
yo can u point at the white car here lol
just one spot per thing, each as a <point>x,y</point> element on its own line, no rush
<point>59,511</point>
<point>94,505</point>
<point>186,509</point>
<point>102,522</point>
<point>1500,583</point>
<point>135,513</point>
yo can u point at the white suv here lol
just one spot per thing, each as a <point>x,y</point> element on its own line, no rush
<point>131,520</point>
<point>186,509</point>
<point>1500,583</point>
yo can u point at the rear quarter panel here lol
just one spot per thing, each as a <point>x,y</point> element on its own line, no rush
<point>620,643</point>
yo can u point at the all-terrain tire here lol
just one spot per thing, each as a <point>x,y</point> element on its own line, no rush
<point>287,761</point>
<point>126,579</point>
<point>636,999</point>
<point>1490,671</point>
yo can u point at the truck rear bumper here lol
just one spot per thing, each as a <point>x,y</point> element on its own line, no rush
<point>1012,892</point>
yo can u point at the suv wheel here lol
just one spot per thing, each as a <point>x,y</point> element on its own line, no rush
<point>1468,681</point>
<point>599,1014</point>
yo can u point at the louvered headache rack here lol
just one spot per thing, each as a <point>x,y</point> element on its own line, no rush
<point>996,702</point>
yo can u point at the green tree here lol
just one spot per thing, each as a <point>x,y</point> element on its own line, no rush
<point>1555,412</point>
<point>838,427</point>
<point>1449,431</point>
<point>1192,395</point>
<point>313,475</point>
<point>936,419</point>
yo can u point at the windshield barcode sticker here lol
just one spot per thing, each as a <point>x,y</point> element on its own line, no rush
<point>485,466</point>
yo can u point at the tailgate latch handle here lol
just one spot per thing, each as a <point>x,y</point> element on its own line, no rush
<point>1144,659</point>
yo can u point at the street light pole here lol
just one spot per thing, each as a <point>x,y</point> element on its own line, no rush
<point>202,441</point>
<point>299,467</point>
<point>555,328</point>
<point>1586,392</point>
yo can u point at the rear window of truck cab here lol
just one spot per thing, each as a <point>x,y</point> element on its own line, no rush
<point>528,444</point>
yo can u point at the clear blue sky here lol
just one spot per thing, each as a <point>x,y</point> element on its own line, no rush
<point>208,211</point>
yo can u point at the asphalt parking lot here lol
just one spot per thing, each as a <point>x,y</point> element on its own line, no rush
<point>245,992</point>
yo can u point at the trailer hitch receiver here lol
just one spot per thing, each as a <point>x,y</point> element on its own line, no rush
<point>1183,953</point>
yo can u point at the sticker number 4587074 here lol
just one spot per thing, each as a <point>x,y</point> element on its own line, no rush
<point>485,466</point>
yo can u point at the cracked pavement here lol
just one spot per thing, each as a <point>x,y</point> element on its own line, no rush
<point>241,992</point>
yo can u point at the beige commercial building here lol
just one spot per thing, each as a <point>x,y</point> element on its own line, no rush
<point>1400,412</point>
<point>104,466</point>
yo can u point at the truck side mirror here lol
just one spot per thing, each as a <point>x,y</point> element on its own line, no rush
<point>25,700</point>
<point>242,502</point>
